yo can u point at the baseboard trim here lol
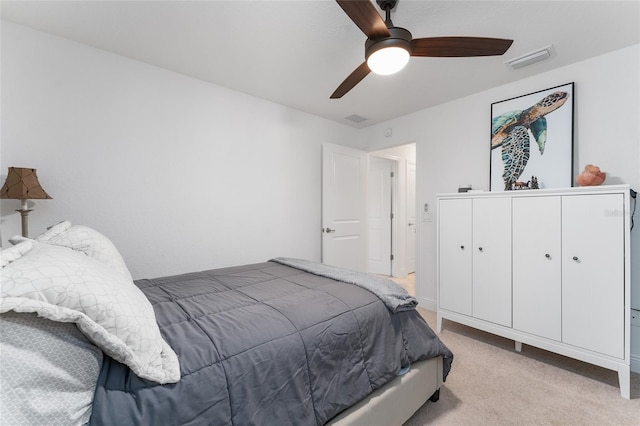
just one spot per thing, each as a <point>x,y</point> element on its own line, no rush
<point>428,304</point>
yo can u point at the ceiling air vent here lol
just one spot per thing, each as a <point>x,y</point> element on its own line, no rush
<point>356,118</point>
<point>530,58</point>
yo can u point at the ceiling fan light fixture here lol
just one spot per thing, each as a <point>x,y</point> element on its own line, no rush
<point>388,60</point>
<point>388,55</point>
<point>382,35</point>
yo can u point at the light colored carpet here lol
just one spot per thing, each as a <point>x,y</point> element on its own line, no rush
<point>492,384</point>
<point>408,282</point>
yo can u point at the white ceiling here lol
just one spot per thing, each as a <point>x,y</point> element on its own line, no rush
<point>296,53</point>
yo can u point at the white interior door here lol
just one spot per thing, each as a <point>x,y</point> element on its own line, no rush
<point>344,186</point>
<point>411,217</point>
<point>379,210</point>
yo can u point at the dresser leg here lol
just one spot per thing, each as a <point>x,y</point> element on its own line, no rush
<point>624,378</point>
<point>518,346</point>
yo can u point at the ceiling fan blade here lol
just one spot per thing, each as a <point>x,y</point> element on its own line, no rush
<point>459,46</point>
<point>350,82</point>
<point>364,14</point>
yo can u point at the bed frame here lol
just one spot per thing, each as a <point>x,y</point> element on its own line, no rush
<point>398,400</point>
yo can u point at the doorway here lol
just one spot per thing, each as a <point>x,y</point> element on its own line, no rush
<point>391,211</point>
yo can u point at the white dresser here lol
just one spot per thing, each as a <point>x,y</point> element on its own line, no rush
<point>548,268</point>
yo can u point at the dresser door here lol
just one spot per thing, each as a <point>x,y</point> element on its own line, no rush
<point>455,255</point>
<point>537,266</point>
<point>492,260</point>
<point>593,272</point>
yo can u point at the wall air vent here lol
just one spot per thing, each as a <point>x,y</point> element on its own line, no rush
<point>530,58</point>
<point>356,118</point>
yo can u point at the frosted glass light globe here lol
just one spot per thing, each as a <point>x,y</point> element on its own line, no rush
<point>388,61</point>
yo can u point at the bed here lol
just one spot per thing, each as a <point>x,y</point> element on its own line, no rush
<point>281,342</point>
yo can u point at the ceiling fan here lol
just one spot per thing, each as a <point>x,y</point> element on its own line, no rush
<point>388,48</point>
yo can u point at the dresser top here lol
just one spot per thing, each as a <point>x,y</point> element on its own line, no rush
<point>608,189</point>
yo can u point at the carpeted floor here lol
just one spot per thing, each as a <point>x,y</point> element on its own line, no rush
<point>492,384</point>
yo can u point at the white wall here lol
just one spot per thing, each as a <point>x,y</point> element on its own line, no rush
<point>185,175</point>
<point>453,142</point>
<point>181,174</point>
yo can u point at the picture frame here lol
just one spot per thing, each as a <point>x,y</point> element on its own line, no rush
<point>531,143</point>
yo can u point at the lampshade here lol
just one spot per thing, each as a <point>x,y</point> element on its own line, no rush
<point>22,184</point>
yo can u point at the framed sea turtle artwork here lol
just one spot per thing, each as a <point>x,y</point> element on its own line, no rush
<point>532,140</point>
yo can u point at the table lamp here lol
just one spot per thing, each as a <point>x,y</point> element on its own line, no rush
<point>22,184</point>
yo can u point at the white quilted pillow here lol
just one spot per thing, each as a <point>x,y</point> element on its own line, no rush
<point>87,240</point>
<point>66,286</point>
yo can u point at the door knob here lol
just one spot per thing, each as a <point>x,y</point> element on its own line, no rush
<point>480,248</point>
<point>329,230</point>
<point>548,256</point>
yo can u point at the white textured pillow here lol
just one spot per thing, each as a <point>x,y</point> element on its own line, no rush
<point>87,240</point>
<point>66,286</point>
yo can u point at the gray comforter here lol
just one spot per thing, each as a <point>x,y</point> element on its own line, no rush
<point>264,344</point>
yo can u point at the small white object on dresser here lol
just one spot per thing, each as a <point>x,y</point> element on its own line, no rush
<point>549,268</point>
